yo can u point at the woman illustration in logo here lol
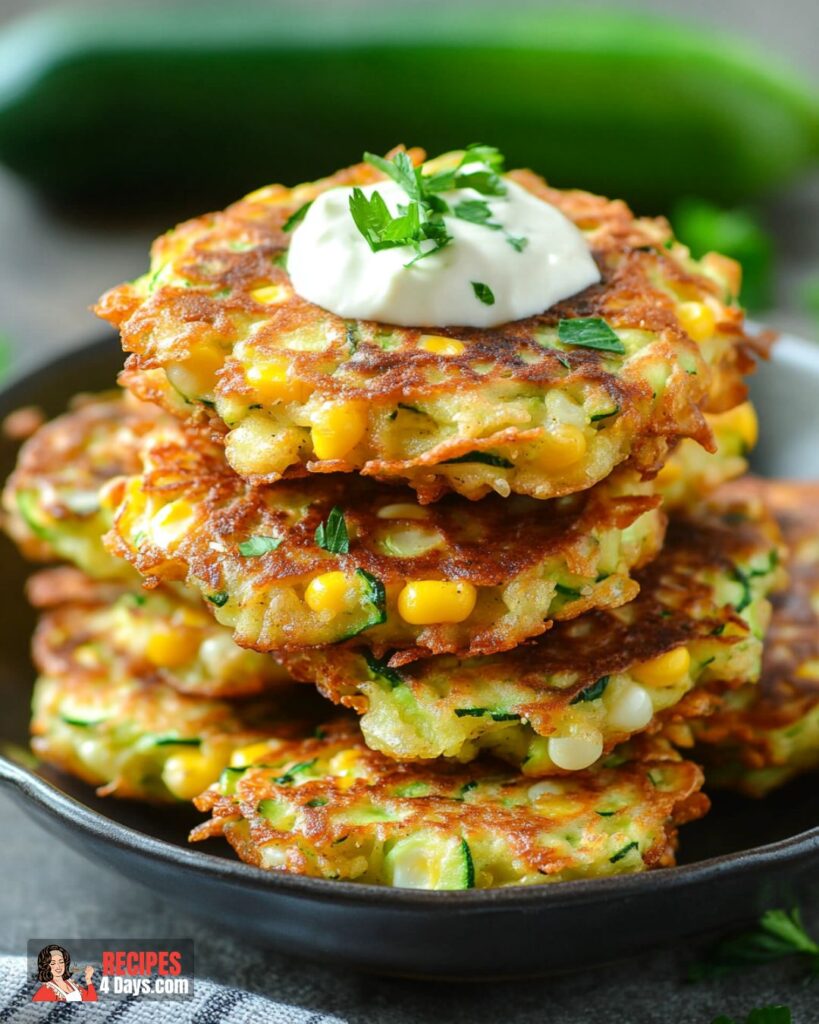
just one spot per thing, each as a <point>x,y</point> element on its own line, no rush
<point>53,970</point>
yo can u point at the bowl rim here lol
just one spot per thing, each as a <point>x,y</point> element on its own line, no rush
<point>52,802</point>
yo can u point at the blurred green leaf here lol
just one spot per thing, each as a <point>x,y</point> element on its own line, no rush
<point>737,233</point>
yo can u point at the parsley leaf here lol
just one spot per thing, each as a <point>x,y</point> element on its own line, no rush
<point>476,211</point>
<point>296,218</point>
<point>220,598</point>
<point>422,219</point>
<point>518,242</point>
<point>778,934</point>
<point>593,692</point>
<point>483,293</point>
<point>380,229</point>
<point>256,546</point>
<point>590,332</point>
<point>400,169</point>
<point>332,535</point>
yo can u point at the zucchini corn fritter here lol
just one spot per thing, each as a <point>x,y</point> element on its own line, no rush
<point>515,408</point>
<point>165,634</point>
<point>319,561</point>
<point>562,702</point>
<point>691,473</point>
<point>52,501</point>
<point>104,714</point>
<point>763,736</point>
<point>332,808</point>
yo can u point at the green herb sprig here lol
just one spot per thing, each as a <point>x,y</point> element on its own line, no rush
<point>779,934</point>
<point>422,218</point>
<point>332,534</point>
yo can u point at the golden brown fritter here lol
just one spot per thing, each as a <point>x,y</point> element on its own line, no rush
<point>163,635</point>
<point>562,702</point>
<point>296,389</point>
<point>332,808</point>
<point>765,735</point>
<point>52,500</point>
<point>454,577</point>
<point>108,716</point>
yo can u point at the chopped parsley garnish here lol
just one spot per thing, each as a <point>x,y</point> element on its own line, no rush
<point>593,692</point>
<point>380,667</point>
<point>318,801</point>
<point>220,598</point>
<point>332,534</point>
<point>633,845</point>
<point>606,814</point>
<point>518,242</point>
<point>483,293</point>
<point>256,546</point>
<point>778,934</point>
<point>476,211</point>
<point>487,458</point>
<point>590,332</point>
<point>296,218</point>
<point>422,219</point>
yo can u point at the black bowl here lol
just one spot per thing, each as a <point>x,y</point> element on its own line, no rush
<point>741,859</point>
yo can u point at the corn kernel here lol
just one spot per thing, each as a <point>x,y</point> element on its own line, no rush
<point>666,669</point>
<point>438,345</point>
<point>271,381</point>
<point>346,766</point>
<point>562,446</point>
<point>740,420</point>
<point>270,294</point>
<point>171,523</point>
<point>697,320</point>
<point>332,592</point>
<point>170,648</point>
<point>402,510</point>
<point>195,377</point>
<point>574,753</point>
<point>337,427</point>
<point>250,755</point>
<point>425,602</point>
<point>190,772</point>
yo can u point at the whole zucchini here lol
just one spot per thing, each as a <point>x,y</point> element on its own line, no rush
<point>191,103</point>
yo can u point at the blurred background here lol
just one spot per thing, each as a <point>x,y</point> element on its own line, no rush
<point>119,119</point>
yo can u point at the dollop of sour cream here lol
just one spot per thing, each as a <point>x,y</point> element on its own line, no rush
<point>536,258</point>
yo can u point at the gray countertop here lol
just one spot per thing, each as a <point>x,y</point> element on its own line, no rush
<point>51,268</point>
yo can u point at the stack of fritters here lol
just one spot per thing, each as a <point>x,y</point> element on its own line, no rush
<point>287,497</point>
